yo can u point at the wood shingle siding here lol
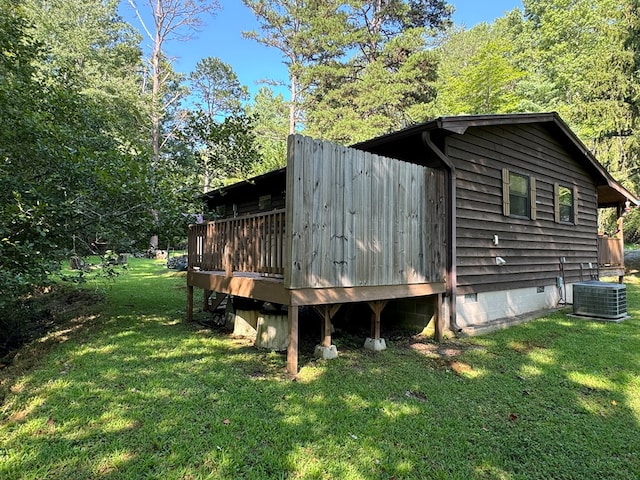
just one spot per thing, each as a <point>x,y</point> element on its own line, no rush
<point>532,248</point>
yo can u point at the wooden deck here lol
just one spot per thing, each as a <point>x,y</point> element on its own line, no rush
<point>272,289</point>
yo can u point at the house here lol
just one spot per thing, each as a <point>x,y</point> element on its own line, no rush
<point>466,221</point>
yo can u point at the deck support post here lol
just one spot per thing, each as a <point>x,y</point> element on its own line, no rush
<point>292,348</point>
<point>205,300</point>
<point>376,343</point>
<point>326,350</point>
<point>438,319</point>
<point>189,303</point>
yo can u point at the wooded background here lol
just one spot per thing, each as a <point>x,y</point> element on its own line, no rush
<point>104,147</point>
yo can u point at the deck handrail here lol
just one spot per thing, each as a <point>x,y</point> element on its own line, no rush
<point>250,243</point>
<point>610,251</point>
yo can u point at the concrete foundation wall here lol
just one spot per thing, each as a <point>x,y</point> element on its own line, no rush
<point>268,331</point>
<point>412,314</point>
<point>483,308</point>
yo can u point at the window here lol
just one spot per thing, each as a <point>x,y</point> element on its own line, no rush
<point>565,200</point>
<point>566,204</point>
<point>518,195</point>
<point>264,202</point>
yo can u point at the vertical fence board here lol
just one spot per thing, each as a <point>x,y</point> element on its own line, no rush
<point>350,168</point>
<point>362,212</point>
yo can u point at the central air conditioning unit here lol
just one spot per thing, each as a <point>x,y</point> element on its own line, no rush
<point>607,301</point>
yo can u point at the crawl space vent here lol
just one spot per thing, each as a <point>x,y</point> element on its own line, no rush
<point>600,300</point>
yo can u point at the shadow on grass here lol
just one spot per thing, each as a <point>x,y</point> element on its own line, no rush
<point>152,397</point>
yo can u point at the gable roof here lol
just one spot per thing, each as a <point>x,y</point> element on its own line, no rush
<point>405,143</point>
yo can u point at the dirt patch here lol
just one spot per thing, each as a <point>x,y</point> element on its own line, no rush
<point>36,315</point>
<point>48,317</point>
<point>444,355</point>
<point>445,350</point>
<point>461,368</point>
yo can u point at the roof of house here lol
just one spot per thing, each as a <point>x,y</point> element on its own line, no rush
<point>407,144</point>
<point>239,188</point>
<point>402,144</point>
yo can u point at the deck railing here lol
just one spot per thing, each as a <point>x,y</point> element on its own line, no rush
<point>252,243</point>
<point>610,252</point>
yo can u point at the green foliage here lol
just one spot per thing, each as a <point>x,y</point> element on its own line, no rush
<point>581,48</point>
<point>270,114</point>
<point>387,81</point>
<point>631,227</point>
<point>307,34</point>
<point>362,99</point>
<point>73,168</point>
<point>216,87</point>
<point>576,57</point>
<point>478,72</point>
<point>226,148</point>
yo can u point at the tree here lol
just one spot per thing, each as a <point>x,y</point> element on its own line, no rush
<point>88,66</point>
<point>95,52</point>
<point>388,82</point>
<point>226,148</point>
<point>478,72</point>
<point>380,21</point>
<point>216,88</point>
<point>172,20</point>
<point>307,33</point>
<point>218,129</point>
<point>72,166</point>
<point>270,113</point>
<point>584,50</point>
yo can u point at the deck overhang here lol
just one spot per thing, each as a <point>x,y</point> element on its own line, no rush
<point>272,289</point>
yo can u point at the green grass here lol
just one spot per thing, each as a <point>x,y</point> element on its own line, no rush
<point>136,393</point>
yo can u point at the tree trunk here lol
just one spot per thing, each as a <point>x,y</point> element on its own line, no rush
<point>292,105</point>
<point>156,113</point>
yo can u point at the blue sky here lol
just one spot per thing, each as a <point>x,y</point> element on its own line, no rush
<point>221,37</point>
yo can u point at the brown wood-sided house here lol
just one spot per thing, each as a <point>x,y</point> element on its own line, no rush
<point>469,221</point>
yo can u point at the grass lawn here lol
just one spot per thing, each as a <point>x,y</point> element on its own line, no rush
<point>136,393</point>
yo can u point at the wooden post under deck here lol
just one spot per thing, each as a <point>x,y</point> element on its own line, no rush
<point>438,319</point>
<point>377,308</point>
<point>292,348</point>
<point>189,303</point>
<point>326,337</point>
<point>205,299</point>
<point>327,312</point>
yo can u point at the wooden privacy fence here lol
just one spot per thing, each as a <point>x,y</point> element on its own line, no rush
<point>252,243</point>
<point>358,219</point>
<point>610,251</point>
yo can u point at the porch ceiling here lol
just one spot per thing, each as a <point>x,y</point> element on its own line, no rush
<point>613,196</point>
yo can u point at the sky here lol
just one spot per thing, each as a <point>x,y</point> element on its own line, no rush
<point>221,37</point>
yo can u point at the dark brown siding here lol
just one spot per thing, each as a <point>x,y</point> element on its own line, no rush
<point>246,196</point>
<point>249,205</point>
<point>531,248</point>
